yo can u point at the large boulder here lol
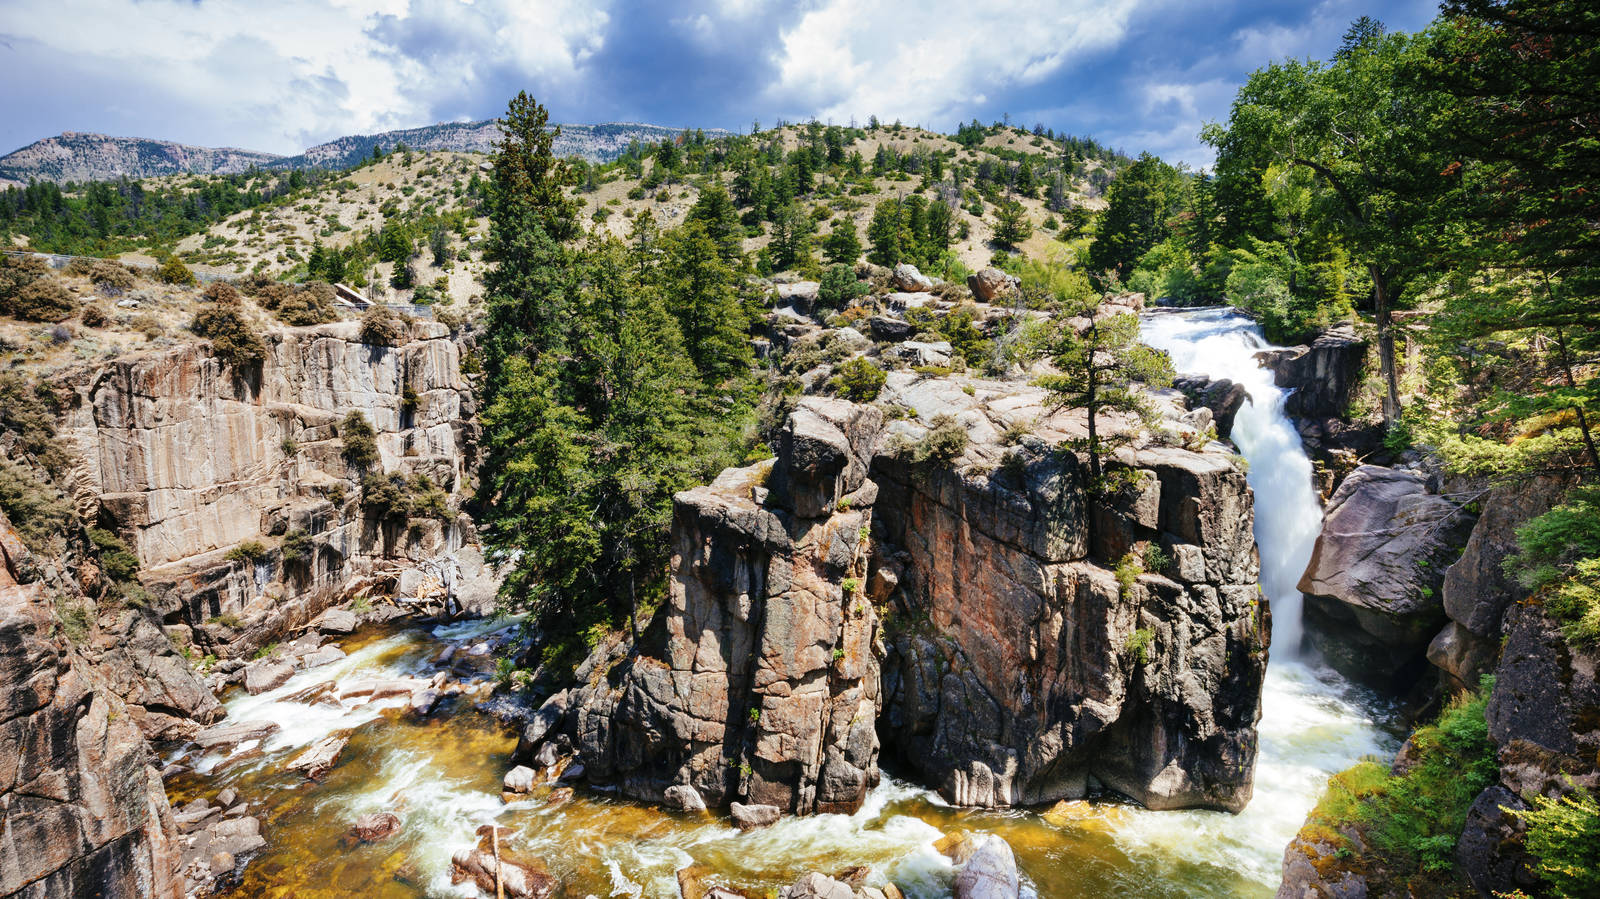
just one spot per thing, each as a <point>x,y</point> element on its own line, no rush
<point>906,277</point>
<point>990,871</point>
<point>1373,582</point>
<point>1223,397</point>
<point>991,284</point>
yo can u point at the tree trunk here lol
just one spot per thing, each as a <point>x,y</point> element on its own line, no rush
<point>1583,420</point>
<point>1391,382</point>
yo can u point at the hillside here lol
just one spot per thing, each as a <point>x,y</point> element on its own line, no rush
<point>77,156</point>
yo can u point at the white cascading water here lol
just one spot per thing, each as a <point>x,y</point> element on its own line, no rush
<point>1313,722</point>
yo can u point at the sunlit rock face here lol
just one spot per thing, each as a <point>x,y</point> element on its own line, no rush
<point>962,611</point>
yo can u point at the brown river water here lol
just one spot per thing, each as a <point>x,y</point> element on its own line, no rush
<point>442,777</point>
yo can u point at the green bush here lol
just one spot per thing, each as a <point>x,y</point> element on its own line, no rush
<point>43,300</point>
<point>109,275</point>
<point>296,547</point>
<point>859,381</point>
<point>234,338</point>
<point>116,559</point>
<point>249,552</point>
<point>392,496</point>
<point>1129,567</point>
<point>312,304</point>
<point>1156,559</point>
<point>17,273</point>
<point>1138,644</point>
<point>1559,554</point>
<point>946,440</point>
<point>839,287</point>
<point>360,440</point>
<point>1564,835</point>
<point>37,510</point>
<point>173,271</point>
<point>28,410</point>
<point>1410,822</point>
<point>381,327</point>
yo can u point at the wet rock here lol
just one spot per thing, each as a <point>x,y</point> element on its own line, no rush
<point>520,880</point>
<point>1311,870</point>
<point>338,621</point>
<point>990,871</point>
<point>317,760</point>
<point>423,701</point>
<point>267,674</point>
<point>227,797</point>
<point>325,655</point>
<point>520,779</point>
<point>991,284</point>
<point>230,734</point>
<point>1489,851</point>
<point>684,798</point>
<point>189,819</point>
<point>1477,591</point>
<point>1321,377</point>
<point>222,862</point>
<point>750,817</point>
<point>1223,397</point>
<point>817,886</point>
<point>907,277</point>
<point>373,828</point>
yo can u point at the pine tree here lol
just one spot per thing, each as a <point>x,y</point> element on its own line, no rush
<point>714,209</point>
<point>843,245</point>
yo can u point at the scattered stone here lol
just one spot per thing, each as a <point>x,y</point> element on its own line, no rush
<point>338,621</point>
<point>520,779</point>
<point>325,655</point>
<point>817,886</point>
<point>267,674</point>
<point>750,817</point>
<point>990,872</point>
<point>684,798</point>
<point>520,880</point>
<point>221,863</point>
<point>991,284</point>
<point>227,797</point>
<point>232,733</point>
<point>373,828</point>
<point>317,760</point>
<point>890,330</point>
<point>907,277</point>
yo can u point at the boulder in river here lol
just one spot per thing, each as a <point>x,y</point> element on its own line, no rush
<point>338,621</point>
<point>751,817</point>
<point>320,757</point>
<point>990,871</point>
<point>372,828</point>
<point>266,674</point>
<point>229,734</point>
<point>519,879</point>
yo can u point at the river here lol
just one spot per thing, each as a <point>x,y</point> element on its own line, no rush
<point>442,775</point>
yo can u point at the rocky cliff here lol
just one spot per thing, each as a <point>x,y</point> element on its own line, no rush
<point>234,496</point>
<point>961,609</point>
<point>82,811</point>
<point>189,460</point>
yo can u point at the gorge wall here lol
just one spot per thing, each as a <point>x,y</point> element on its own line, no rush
<point>232,492</point>
<point>962,609</point>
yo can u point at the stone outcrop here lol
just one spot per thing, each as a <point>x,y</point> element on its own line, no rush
<point>187,459</point>
<point>991,284</point>
<point>1031,673</point>
<point>1373,585</point>
<point>1223,397</point>
<point>965,609</point>
<point>1323,375</point>
<point>759,681</point>
<point>82,812</point>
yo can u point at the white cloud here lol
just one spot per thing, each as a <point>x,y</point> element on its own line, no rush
<point>278,76</point>
<point>931,63</point>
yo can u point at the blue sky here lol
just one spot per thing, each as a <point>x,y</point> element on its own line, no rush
<point>281,75</point>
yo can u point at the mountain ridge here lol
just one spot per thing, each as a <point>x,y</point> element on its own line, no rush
<point>91,156</point>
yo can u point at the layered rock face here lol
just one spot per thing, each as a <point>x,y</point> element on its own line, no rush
<point>82,811</point>
<point>759,682</point>
<point>1017,670</point>
<point>1021,671</point>
<point>1373,586</point>
<point>187,459</point>
<point>1323,375</point>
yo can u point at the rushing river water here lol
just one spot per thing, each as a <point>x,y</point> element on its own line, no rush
<point>442,775</point>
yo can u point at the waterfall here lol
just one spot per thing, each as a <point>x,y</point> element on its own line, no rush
<point>1313,722</point>
<point>1222,344</point>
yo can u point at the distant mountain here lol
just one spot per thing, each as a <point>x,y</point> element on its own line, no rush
<point>598,143</point>
<point>76,156</point>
